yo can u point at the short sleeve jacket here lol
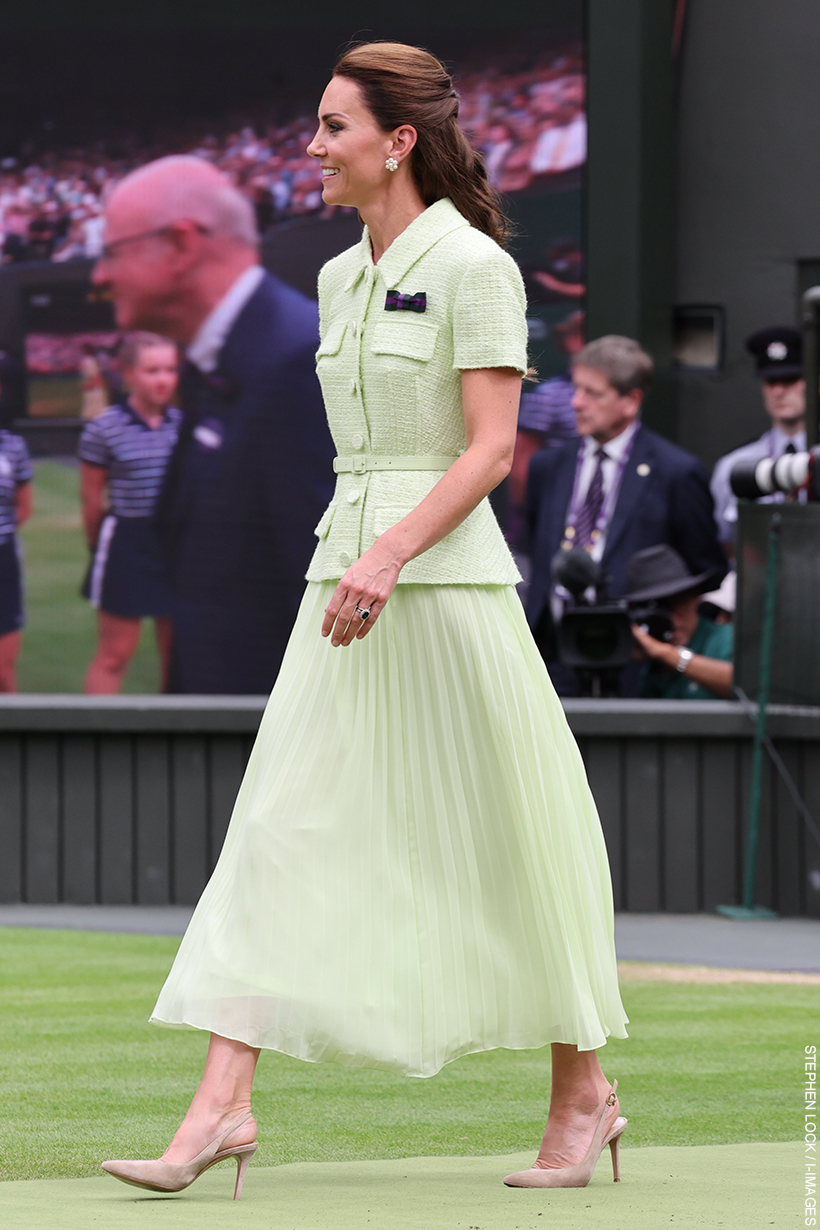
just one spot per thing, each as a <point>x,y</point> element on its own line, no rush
<point>391,380</point>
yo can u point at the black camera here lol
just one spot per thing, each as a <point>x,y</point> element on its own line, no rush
<point>594,636</point>
<point>653,618</point>
<point>751,480</point>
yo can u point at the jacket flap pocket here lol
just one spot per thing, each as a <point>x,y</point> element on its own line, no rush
<point>331,343</point>
<point>323,528</point>
<point>412,339</point>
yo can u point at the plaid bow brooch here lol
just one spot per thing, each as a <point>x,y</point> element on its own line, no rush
<point>405,303</point>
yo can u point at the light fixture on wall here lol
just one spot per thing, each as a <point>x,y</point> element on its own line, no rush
<point>699,337</point>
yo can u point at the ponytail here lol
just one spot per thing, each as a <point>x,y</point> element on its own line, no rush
<point>407,85</point>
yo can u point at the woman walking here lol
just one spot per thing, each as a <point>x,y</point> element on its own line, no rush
<point>414,869</point>
<point>124,453</point>
<point>16,502</point>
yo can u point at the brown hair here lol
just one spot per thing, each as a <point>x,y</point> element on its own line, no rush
<point>134,344</point>
<point>407,85</point>
<point>624,363</point>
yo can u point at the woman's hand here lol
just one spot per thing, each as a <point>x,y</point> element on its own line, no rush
<point>367,584</point>
<point>490,397</point>
<point>660,651</point>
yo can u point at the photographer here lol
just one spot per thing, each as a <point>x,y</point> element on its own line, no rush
<point>616,489</point>
<point>693,661</point>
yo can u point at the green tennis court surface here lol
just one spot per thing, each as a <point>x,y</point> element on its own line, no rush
<point>60,633</point>
<point>719,1187</point>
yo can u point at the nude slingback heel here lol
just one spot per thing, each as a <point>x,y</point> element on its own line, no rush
<point>159,1176</point>
<point>580,1174</point>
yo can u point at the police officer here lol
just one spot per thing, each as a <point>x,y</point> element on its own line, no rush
<point>778,354</point>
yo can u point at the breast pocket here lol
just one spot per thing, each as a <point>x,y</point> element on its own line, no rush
<point>331,343</point>
<point>401,350</point>
<point>406,342</point>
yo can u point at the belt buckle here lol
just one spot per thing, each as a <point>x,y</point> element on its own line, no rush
<point>359,465</point>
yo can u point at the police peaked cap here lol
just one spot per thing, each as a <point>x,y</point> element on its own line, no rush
<point>778,352</point>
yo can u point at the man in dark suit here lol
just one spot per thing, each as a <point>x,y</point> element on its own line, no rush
<point>252,472</point>
<point>614,491</point>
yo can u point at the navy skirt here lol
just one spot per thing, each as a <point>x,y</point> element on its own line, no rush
<point>128,575</point>
<point>11,587</point>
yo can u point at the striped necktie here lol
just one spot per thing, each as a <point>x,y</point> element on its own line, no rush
<point>593,502</point>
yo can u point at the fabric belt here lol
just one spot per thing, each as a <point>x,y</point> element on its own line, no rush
<point>368,461</point>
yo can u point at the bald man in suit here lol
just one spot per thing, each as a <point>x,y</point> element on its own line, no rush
<point>252,471</point>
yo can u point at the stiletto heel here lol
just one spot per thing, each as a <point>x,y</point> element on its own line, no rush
<point>242,1160</point>
<point>614,1148</point>
<point>580,1174</point>
<point>162,1176</point>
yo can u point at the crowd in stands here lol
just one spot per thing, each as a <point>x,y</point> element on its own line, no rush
<point>529,125</point>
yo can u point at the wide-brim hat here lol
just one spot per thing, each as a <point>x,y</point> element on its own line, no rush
<point>659,572</point>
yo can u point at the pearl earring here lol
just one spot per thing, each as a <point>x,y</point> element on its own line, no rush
<point>391,164</point>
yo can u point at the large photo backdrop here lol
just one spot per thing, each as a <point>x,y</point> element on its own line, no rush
<point>248,105</point>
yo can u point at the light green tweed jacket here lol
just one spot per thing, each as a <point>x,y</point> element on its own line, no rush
<point>392,386</point>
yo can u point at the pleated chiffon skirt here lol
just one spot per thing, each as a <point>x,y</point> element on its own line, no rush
<point>415,868</point>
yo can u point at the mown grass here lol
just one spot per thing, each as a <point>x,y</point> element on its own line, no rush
<point>60,634</point>
<point>84,1077</point>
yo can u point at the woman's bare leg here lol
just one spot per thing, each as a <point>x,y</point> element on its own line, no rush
<point>10,644</point>
<point>223,1093</point>
<point>579,1089</point>
<point>117,641</point>
<point>164,633</point>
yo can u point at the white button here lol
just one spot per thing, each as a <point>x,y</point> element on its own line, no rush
<point>352,497</point>
<point>353,387</point>
<point>357,441</point>
<point>344,559</point>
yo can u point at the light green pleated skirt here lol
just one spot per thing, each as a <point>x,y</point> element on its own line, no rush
<point>415,868</point>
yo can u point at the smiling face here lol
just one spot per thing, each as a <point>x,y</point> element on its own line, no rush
<point>352,148</point>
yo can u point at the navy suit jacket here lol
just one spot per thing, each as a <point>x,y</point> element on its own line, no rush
<point>669,503</point>
<point>246,485</point>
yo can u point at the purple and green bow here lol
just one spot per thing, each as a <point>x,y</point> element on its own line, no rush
<point>396,302</point>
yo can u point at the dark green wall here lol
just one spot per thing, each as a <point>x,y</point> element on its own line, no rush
<point>748,195</point>
<point>630,183</point>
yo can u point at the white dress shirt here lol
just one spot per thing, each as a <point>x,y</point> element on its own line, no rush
<point>611,473</point>
<point>204,349</point>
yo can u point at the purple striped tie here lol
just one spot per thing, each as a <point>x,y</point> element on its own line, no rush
<point>591,508</point>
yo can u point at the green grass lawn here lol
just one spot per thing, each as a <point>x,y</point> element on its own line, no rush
<point>84,1077</point>
<point>60,633</point>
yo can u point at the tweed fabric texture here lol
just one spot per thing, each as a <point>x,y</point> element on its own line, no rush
<point>392,385</point>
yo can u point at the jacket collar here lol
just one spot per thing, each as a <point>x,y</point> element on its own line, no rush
<point>407,248</point>
<point>205,349</point>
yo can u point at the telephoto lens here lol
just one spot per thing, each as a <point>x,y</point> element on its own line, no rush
<point>751,480</point>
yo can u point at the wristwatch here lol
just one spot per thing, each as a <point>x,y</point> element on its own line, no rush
<point>685,656</point>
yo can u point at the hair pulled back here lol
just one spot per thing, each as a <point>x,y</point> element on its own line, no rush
<point>134,344</point>
<point>407,85</point>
